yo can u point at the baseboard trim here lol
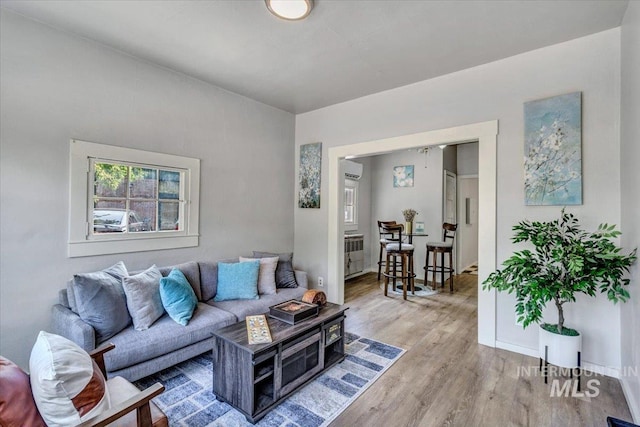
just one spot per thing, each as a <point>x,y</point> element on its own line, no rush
<point>587,366</point>
<point>517,349</point>
<point>633,400</point>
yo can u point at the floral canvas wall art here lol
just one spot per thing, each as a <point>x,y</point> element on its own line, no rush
<point>309,175</point>
<point>403,176</point>
<point>553,150</point>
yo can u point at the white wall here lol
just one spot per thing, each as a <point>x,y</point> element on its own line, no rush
<point>630,178</point>
<point>468,159</point>
<point>498,91</point>
<point>425,197</point>
<point>56,87</point>
<point>364,209</point>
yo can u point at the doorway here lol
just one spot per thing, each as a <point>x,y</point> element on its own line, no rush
<point>485,133</point>
<point>467,232</point>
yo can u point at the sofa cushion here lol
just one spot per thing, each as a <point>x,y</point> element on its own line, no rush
<point>266,275</point>
<point>165,336</point>
<point>67,385</point>
<point>178,298</point>
<point>191,271</point>
<point>17,407</point>
<point>143,297</point>
<point>101,301</point>
<point>285,275</point>
<point>237,280</point>
<point>208,279</point>
<point>244,308</point>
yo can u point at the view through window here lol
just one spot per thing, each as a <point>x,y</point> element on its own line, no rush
<point>134,198</point>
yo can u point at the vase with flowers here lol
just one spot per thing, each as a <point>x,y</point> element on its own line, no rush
<point>409,215</point>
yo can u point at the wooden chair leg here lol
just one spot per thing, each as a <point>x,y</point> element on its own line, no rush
<point>412,278</point>
<point>380,262</point>
<point>405,279</point>
<point>435,270</point>
<point>442,269</point>
<point>395,272</point>
<point>451,272</point>
<point>386,277</point>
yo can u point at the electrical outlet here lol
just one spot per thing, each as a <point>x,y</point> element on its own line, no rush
<point>320,281</point>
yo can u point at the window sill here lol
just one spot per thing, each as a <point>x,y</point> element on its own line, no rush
<point>103,247</point>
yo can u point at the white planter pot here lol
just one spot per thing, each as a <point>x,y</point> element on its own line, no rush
<point>562,350</point>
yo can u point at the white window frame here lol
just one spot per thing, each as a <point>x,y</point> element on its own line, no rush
<point>84,243</point>
<point>352,225</point>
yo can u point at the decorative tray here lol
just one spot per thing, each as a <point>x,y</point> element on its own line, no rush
<point>293,311</point>
<point>258,329</point>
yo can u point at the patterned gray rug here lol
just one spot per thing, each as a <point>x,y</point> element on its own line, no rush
<point>188,399</point>
<point>421,290</point>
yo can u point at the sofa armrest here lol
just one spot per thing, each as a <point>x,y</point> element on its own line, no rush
<point>68,324</point>
<point>301,278</point>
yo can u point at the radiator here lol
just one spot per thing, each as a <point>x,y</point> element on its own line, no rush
<point>353,254</point>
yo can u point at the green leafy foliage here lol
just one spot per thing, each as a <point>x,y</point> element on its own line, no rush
<point>566,261</point>
<point>112,175</point>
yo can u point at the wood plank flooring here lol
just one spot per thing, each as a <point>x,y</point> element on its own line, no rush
<point>447,379</point>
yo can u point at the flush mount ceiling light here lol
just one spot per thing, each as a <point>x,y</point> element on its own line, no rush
<point>291,10</point>
<point>443,146</point>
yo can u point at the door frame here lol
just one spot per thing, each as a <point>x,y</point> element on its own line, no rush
<point>486,134</point>
<point>459,266</point>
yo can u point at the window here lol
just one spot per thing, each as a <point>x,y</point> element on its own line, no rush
<point>125,200</point>
<point>350,204</point>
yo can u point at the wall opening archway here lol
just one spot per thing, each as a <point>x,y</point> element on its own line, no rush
<point>486,134</point>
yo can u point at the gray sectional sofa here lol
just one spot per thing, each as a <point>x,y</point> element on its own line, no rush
<point>141,353</point>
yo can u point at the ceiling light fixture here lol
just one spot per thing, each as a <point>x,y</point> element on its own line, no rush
<point>291,10</point>
<point>443,146</point>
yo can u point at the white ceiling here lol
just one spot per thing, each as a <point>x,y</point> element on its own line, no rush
<point>343,50</point>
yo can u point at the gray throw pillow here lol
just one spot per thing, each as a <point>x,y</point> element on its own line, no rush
<point>101,302</point>
<point>285,275</point>
<point>143,297</point>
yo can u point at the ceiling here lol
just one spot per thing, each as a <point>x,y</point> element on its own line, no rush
<point>343,50</point>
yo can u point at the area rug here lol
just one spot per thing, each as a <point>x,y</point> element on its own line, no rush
<point>188,399</point>
<point>472,269</point>
<point>421,290</point>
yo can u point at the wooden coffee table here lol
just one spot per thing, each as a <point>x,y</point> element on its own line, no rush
<point>254,378</point>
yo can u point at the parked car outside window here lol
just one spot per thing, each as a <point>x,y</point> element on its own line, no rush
<point>117,221</point>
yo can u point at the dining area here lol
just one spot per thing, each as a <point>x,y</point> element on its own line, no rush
<point>396,257</point>
<point>404,206</point>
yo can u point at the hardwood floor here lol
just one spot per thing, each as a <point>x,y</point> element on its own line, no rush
<point>447,379</point>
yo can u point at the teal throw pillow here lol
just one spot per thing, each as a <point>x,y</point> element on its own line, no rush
<point>237,280</point>
<point>178,298</point>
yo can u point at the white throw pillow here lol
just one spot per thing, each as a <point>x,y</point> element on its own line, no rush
<point>266,275</point>
<point>67,386</point>
<point>143,297</point>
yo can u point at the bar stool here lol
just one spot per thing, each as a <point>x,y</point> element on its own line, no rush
<point>444,247</point>
<point>402,252</point>
<point>384,239</point>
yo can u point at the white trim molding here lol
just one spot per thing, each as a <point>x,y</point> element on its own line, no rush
<point>486,134</point>
<point>80,242</point>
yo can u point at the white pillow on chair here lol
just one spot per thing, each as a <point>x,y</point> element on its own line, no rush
<point>67,385</point>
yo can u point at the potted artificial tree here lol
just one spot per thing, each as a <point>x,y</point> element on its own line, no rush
<point>566,260</point>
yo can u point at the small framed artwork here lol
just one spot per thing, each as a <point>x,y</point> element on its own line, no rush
<point>419,227</point>
<point>309,175</point>
<point>403,176</point>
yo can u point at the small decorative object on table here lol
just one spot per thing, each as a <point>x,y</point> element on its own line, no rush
<point>258,329</point>
<point>409,215</point>
<point>419,227</point>
<point>293,311</point>
<point>314,296</point>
